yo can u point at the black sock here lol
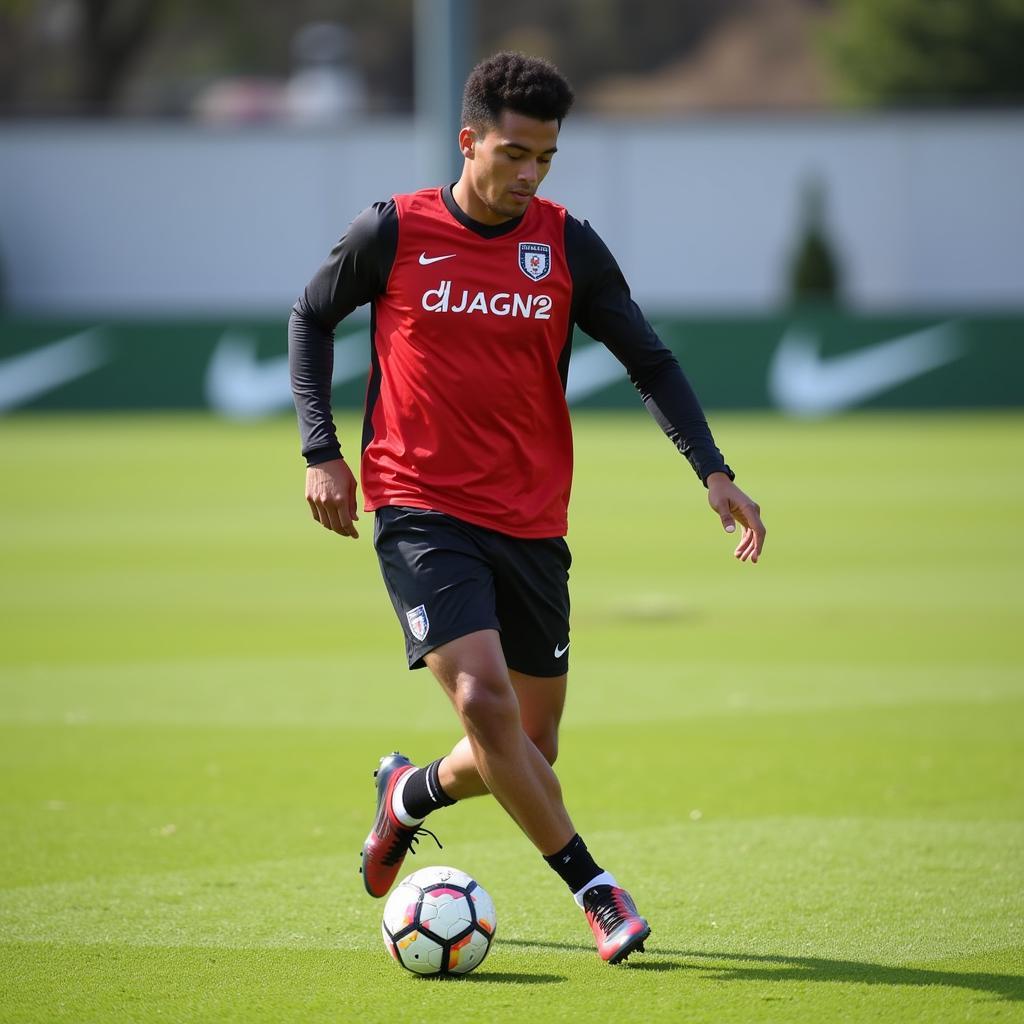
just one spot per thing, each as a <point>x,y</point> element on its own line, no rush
<point>574,864</point>
<point>423,792</point>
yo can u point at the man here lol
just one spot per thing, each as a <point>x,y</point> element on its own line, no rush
<point>467,460</point>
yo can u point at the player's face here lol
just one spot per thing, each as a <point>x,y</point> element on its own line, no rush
<point>505,165</point>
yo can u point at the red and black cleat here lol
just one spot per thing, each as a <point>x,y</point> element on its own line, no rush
<point>389,840</point>
<point>617,927</point>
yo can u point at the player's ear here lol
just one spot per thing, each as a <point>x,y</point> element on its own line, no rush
<point>467,142</point>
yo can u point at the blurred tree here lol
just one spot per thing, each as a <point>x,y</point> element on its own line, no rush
<point>928,52</point>
<point>72,53</point>
<point>814,269</point>
<point>112,34</point>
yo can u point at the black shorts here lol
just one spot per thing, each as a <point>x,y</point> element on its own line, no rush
<point>448,578</point>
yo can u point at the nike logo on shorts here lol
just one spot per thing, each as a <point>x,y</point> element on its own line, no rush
<point>559,651</point>
<point>426,260</point>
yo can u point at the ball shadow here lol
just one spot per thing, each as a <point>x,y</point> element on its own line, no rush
<point>504,977</point>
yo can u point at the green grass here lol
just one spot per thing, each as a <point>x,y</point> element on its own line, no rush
<point>809,772</point>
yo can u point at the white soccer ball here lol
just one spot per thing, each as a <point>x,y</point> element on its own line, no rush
<point>439,921</point>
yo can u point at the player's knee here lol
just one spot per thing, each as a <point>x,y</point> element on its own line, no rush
<point>487,707</point>
<point>546,741</point>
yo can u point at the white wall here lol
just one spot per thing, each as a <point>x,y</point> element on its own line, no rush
<point>927,211</point>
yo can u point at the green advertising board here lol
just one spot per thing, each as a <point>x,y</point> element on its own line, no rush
<point>815,363</point>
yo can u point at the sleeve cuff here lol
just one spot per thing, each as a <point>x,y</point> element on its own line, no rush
<point>723,468</point>
<point>324,454</point>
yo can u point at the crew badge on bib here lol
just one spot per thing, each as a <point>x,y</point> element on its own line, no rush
<point>535,259</point>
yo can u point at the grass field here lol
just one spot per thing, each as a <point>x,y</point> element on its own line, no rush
<point>809,772</point>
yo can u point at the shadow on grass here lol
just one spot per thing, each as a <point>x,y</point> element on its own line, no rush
<point>509,977</point>
<point>575,947</point>
<point>753,967</point>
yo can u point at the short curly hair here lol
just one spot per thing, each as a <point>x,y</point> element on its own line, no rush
<point>512,81</point>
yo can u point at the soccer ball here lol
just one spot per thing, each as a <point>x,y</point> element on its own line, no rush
<point>439,921</point>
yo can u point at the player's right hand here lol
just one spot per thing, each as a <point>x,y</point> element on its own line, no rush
<point>331,493</point>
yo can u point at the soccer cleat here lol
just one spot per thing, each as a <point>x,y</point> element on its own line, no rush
<point>389,840</point>
<point>618,928</point>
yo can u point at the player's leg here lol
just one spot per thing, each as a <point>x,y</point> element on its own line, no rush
<point>406,795</point>
<point>532,591</point>
<point>441,587</point>
<point>541,701</point>
<point>510,764</point>
<point>473,673</point>
<point>509,688</point>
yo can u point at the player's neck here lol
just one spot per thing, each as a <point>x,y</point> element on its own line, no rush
<point>472,205</point>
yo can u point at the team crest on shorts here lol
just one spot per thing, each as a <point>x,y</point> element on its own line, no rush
<point>535,259</point>
<point>419,624</point>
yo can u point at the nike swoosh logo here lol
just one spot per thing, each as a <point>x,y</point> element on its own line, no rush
<point>559,651</point>
<point>239,384</point>
<point>591,370</point>
<point>31,374</point>
<point>426,260</point>
<point>801,382</point>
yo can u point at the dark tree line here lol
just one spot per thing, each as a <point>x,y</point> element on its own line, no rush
<point>101,57</point>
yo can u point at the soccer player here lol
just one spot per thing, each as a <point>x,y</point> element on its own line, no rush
<point>475,289</point>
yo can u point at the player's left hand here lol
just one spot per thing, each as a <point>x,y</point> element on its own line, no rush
<point>733,506</point>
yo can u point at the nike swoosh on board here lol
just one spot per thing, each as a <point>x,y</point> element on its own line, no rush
<point>426,260</point>
<point>801,382</point>
<point>239,384</point>
<point>591,369</point>
<point>31,374</point>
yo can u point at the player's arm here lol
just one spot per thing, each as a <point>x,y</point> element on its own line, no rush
<point>354,273</point>
<point>604,308</point>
